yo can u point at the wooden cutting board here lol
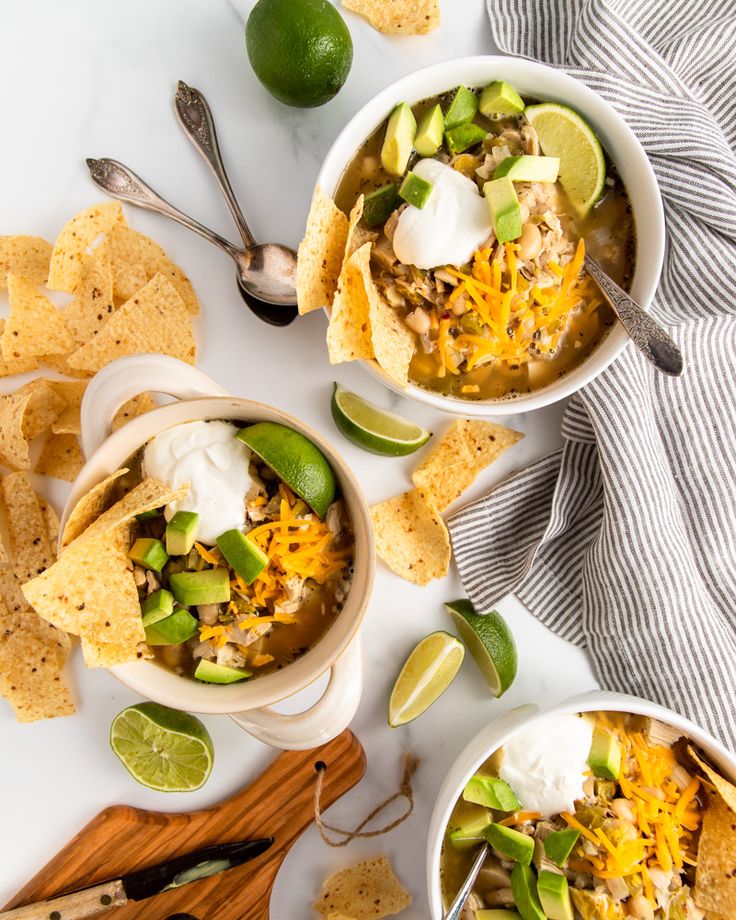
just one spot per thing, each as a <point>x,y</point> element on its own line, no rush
<point>278,804</point>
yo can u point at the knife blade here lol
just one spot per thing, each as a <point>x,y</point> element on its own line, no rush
<point>143,883</point>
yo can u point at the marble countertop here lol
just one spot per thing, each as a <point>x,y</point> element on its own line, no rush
<point>84,78</point>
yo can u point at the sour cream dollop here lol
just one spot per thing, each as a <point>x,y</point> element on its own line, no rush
<point>208,456</point>
<point>453,223</point>
<point>546,765</point>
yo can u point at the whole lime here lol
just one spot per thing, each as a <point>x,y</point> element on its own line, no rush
<point>300,50</point>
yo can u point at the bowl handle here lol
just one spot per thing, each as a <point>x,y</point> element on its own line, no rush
<point>128,377</point>
<point>329,716</point>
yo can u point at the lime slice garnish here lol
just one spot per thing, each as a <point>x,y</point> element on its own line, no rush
<point>162,748</point>
<point>427,673</point>
<point>563,133</point>
<point>374,429</point>
<point>489,641</point>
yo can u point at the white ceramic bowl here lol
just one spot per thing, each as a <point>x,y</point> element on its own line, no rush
<point>550,85</point>
<point>501,730</point>
<point>339,652</point>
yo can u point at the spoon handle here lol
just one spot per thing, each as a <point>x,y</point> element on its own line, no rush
<point>195,117</point>
<point>456,908</point>
<point>645,332</point>
<point>122,183</point>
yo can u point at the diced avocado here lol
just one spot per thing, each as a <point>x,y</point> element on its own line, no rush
<point>529,169</point>
<point>524,889</point>
<point>174,629</point>
<point>149,553</point>
<point>212,673</point>
<point>554,895</point>
<point>605,755</point>
<point>211,586</point>
<point>429,132</point>
<point>505,210</point>
<point>471,830</point>
<point>464,136</point>
<point>181,532</point>
<point>559,844</point>
<point>157,606</point>
<point>242,554</point>
<point>415,190</point>
<point>500,98</point>
<point>399,141</point>
<point>491,792</point>
<point>378,204</point>
<point>463,107</point>
<point>147,515</point>
<point>496,913</point>
<point>514,844</point>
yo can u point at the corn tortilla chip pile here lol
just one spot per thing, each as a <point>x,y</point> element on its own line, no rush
<point>398,17</point>
<point>367,891</point>
<point>411,536</point>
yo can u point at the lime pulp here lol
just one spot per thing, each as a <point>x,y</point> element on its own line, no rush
<point>489,641</point>
<point>427,673</point>
<point>375,429</point>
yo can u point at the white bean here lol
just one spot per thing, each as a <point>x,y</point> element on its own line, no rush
<point>530,242</point>
<point>641,908</point>
<point>623,810</point>
<point>419,321</point>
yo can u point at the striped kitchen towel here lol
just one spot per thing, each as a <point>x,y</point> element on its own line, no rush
<point>624,541</point>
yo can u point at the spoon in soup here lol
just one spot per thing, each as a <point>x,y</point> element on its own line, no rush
<point>456,908</point>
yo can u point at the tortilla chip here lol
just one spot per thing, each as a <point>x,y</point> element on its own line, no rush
<point>31,678</point>
<point>10,592</point>
<point>61,457</point>
<point>28,534</point>
<point>134,407</point>
<point>90,507</point>
<point>35,327</point>
<point>20,366</point>
<point>147,495</point>
<point>28,256</point>
<point>715,873</point>
<point>339,917</point>
<point>43,408</point>
<point>725,789</point>
<point>398,17</point>
<point>73,246</point>
<point>60,363</point>
<point>52,523</point>
<point>320,255</point>
<point>155,320</point>
<point>454,461</point>
<point>94,303</point>
<point>393,341</point>
<point>13,443</point>
<point>367,891</point>
<point>411,537</point>
<point>110,655</point>
<point>349,333</point>
<point>72,392</point>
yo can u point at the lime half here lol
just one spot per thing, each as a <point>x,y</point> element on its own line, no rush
<point>162,748</point>
<point>374,429</point>
<point>427,673</point>
<point>489,641</point>
<point>299,462</point>
<point>563,133</point>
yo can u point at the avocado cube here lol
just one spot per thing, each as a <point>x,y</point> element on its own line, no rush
<point>212,673</point>
<point>181,532</point>
<point>399,140</point>
<point>559,844</point>
<point>605,755</point>
<point>554,895</point>
<point>524,889</point>
<point>500,98</point>
<point>464,136</point>
<point>462,109</point>
<point>148,515</point>
<point>491,792</point>
<point>471,830</point>
<point>210,586</point>
<point>242,554</point>
<point>430,129</point>
<point>505,210</point>
<point>529,169</point>
<point>514,844</point>
<point>173,630</point>
<point>149,553</point>
<point>415,190</point>
<point>379,204</point>
<point>157,606</point>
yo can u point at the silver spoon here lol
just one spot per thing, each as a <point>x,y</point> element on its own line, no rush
<point>645,332</point>
<point>456,908</point>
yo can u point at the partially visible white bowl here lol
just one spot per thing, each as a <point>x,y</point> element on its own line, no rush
<point>500,731</point>
<point>544,83</point>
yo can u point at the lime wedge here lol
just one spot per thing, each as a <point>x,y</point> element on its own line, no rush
<point>489,641</point>
<point>563,133</point>
<point>374,429</point>
<point>427,673</point>
<point>162,748</point>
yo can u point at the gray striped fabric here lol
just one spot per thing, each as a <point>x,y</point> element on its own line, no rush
<point>624,541</point>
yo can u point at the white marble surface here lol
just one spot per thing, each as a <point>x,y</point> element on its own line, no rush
<point>94,78</point>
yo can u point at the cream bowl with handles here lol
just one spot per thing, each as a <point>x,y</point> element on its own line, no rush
<point>197,397</point>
